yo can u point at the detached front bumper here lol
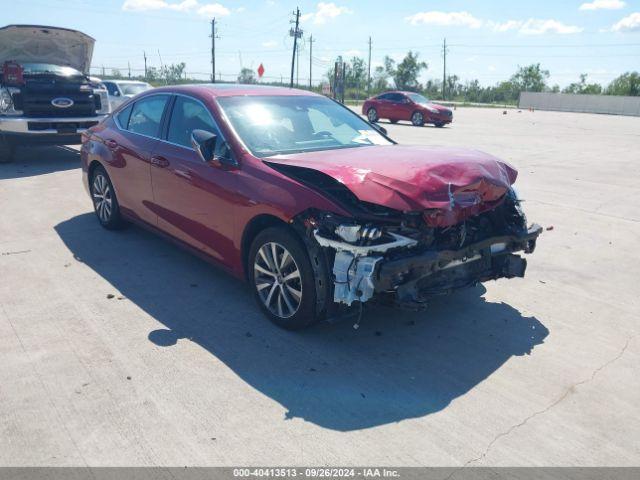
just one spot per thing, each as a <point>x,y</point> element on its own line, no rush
<point>362,272</point>
<point>414,279</point>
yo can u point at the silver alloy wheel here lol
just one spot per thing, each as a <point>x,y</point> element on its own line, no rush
<point>102,198</point>
<point>417,118</point>
<point>277,279</point>
<point>372,115</point>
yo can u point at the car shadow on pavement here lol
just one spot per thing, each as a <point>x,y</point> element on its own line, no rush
<point>29,162</point>
<point>397,365</point>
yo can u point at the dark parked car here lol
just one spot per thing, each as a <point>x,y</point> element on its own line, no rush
<point>319,210</point>
<point>409,106</point>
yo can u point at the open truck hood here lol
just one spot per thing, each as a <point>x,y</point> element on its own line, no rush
<point>449,184</point>
<point>38,44</point>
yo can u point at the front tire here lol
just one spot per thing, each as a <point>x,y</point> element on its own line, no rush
<point>372,115</point>
<point>105,203</point>
<point>439,125</point>
<point>417,119</point>
<point>282,278</point>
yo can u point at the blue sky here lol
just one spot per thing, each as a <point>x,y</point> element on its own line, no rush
<point>487,39</point>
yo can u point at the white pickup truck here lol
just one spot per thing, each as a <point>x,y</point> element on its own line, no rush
<point>46,94</point>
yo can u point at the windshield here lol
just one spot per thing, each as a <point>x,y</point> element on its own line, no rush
<point>50,69</point>
<point>417,98</point>
<point>292,124</point>
<point>134,88</point>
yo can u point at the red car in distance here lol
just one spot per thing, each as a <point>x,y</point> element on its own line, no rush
<point>410,106</point>
<point>317,209</point>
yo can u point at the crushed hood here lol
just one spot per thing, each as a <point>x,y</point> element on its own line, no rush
<point>448,184</point>
<point>38,44</point>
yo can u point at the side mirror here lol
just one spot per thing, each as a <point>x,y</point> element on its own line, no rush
<point>379,128</point>
<point>116,93</point>
<point>205,144</point>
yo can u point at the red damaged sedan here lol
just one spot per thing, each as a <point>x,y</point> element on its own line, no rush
<point>409,106</point>
<point>317,209</point>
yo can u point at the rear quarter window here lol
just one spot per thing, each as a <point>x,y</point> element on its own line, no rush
<point>123,117</point>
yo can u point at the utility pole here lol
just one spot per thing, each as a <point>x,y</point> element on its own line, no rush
<point>310,62</point>
<point>214,35</point>
<point>129,67</point>
<point>295,33</point>
<point>144,54</point>
<point>444,70</point>
<point>369,70</point>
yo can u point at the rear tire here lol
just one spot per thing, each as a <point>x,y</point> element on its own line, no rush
<point>285,289</point>
<point>417,119</point>
<point>105,203</point>
<point>7,151</point>
<point>372,115</point>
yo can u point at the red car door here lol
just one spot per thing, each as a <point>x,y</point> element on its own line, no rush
<point>383,105</point>
<point>399,108</point>
<point>194,200</point>
<point>131,145</point>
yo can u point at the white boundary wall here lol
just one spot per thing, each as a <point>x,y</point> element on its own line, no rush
<point>569,102</point>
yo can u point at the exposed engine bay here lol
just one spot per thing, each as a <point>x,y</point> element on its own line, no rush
<point>400,258</point>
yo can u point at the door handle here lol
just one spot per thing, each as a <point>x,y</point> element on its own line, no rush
<point>112,144</point>
<point>159,162</point>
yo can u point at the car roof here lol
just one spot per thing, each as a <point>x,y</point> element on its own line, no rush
<point>235,89</point>
<point>403,92</point>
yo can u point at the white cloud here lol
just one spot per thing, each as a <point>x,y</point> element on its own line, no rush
<point>204,9</point>
<point>240,9</point>
<point>506,26</point>
<point>603,5</point>
<point>534,26</point>
<point>270,44</point>
<point>213,10</point>
<point>325,12</point>
<point>445,19</point>
<point>628,24</point>
<point>539,27</point>
<point>352,53</point>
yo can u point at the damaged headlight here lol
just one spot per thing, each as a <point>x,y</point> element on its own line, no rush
<point>7,107</point>
<point>357,233</point>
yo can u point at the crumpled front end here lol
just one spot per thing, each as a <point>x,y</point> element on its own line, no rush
<point>404,259</point>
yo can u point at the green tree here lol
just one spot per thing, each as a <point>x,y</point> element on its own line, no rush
<point>172,73</point>
<point>627,84</point>
<point>531,78</point>
<point>583,87</point>
<point>405,74</point>
<point>380,79</point>
<point>247,76</point>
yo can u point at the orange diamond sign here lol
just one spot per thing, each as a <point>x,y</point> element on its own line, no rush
<point>260,70</point>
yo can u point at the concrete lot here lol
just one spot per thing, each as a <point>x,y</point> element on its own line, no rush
<point>180,368</point>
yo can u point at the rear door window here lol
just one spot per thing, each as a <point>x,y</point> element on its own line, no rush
<point>146,115</point>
